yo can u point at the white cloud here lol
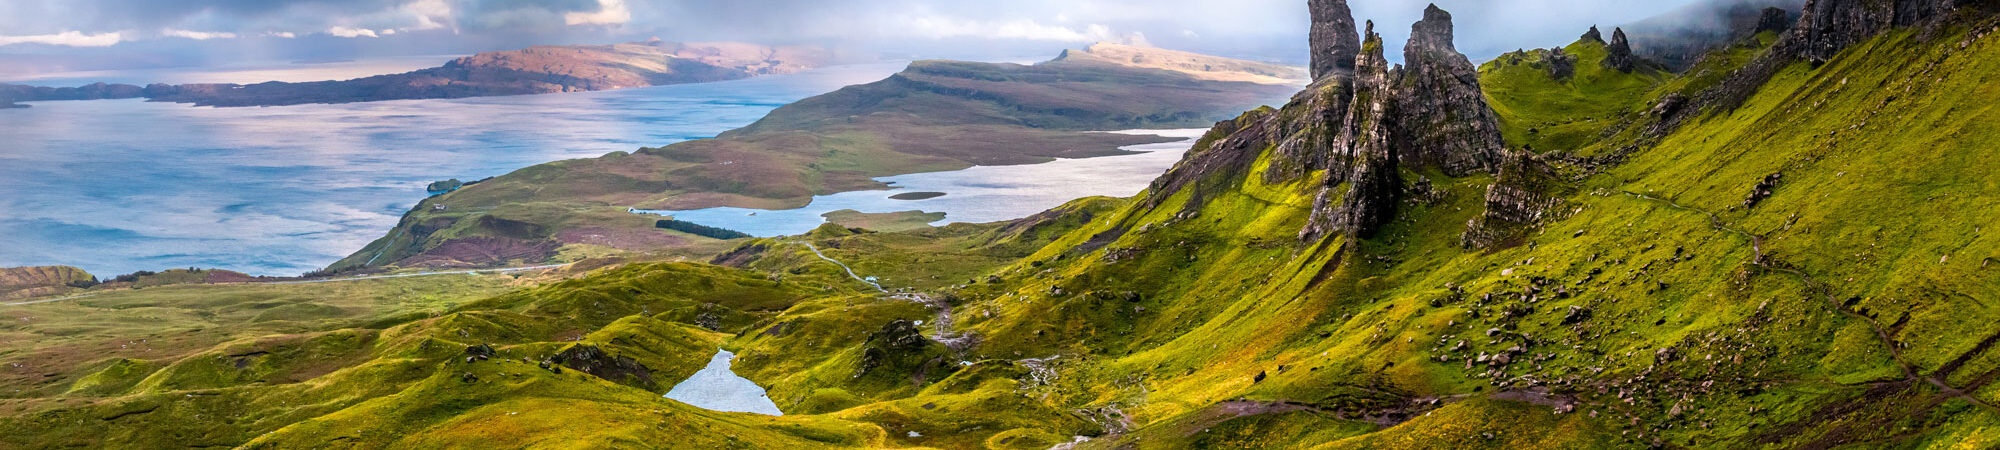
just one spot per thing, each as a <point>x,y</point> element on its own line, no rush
<point>351,32</point>
<point>389,32</point>
<point>939,27</point>
<point>197,35</point>
<point>609,12</point>
<point>67,38</point>
<point>431,14</point>
<point>281,34</point>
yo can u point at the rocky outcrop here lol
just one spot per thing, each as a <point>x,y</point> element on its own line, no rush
<point>1560,65</point>
<point>1773,19</point>
<point>1520,198</point>
<point>1374,184</point>
<point>1593,35</point>
<point>595,361</point>
<point>1618,55</point>
<point>1334,42</point>
<point>1440,109</point>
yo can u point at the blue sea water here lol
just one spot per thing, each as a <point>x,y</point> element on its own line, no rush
<point>115,186</point>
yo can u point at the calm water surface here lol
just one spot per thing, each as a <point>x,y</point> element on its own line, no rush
<point>115,186</point>
<point>975,195</point>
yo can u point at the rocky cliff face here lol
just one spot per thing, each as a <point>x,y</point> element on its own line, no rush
<point>1447,122</point>
<point>1359,128</point>
<point>1373,185</point>
<point>1773,19</point>
<point>1619,54</point>
<point>1593,35</point>
<point>1334,44</point>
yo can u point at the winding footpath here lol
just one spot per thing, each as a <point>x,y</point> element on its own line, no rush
<point>328,280</point>
<point>1760,260</point>
<point>850,270</point>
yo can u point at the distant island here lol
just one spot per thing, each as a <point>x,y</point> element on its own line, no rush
<point>535,70</point>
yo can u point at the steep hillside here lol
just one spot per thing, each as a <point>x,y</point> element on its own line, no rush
<point>934,116</point>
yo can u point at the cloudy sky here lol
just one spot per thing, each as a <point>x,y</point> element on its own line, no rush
<point>45,35</point>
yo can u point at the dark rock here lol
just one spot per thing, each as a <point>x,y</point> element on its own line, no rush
<point>1560,65</point>
<point>1773,19</point>
<point>1259,378</point>
<point>901,334</point>
<point>595,361</point>
<point>1577,314</point>
<point>469,378</point>
<point>481,351</point>
<point>1373,182</point>
<point>1439,110</point>
<point>1519,198</point>
<point>1762,190</point>
<point>1334,42</point>
<point>1618,56</point>
<point>1593,35</point>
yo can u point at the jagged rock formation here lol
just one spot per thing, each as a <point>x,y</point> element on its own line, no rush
<point>1334,44</point>
<point>1519,198</point>
<point>1593,35</point>
<point>1619,53</point>
<point>1447,122</point>
<point>1374,185</point>
<point>1561,66</point>
<point>1361,128</point>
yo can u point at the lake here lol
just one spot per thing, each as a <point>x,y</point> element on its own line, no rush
<point>974,195</point>
<point>115,186</point>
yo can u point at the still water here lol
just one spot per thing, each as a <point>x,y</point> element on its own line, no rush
<point>114,186</point>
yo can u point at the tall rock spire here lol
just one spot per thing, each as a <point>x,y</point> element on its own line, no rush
<point>1374,185</point>
<point>1334,44</point>
<point>1441,112</point>
<point>1618,55</point>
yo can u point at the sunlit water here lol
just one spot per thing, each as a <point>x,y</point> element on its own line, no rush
<point>717,388</point>
<point>115,186</point>
<point>975,195</point>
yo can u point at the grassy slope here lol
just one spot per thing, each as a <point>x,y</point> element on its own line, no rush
<point>936,115</point>
<point>1562,115</point>
<point>1230,316</point>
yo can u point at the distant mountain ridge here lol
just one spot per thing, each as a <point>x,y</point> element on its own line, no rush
<point>1204,67</point>
<point>534,70</point>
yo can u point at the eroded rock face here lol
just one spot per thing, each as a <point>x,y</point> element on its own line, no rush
<point>1440,110</point>
<point>1561,66</point>
<point>1773,19</point>
<point>1334,43</point>
<point>1618,55</point>
<point>1519,199</point>
<point>1373,185</point>
<point>595,361</point>
<point>1593,35</point>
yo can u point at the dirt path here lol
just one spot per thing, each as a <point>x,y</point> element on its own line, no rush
<point>843,266</point>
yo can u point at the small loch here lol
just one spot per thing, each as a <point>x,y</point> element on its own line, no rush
<point>717,388</point>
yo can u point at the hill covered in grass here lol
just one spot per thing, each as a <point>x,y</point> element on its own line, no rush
<point>933,116</point>
<point>1782,250</point>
